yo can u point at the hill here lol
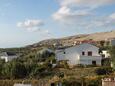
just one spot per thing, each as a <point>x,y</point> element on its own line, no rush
<point>71,39</point>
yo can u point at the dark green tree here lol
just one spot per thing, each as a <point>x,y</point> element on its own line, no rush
<point>2,62</point>
<point>112,53</point>
<point>102,43</point>
<point>14,70</point>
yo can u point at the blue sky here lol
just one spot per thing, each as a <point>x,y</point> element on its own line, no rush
<point>24,22</point>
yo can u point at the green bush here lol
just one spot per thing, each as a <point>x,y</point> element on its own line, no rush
<point>112,53</point>
<point>12,82</point>
<point>71,83</point>
<point>94,83</point>
<point>80,66</point>
<point>104,70</point>
<point>14,70</point>
<point>106,62</point>
<point>60,74</point>
<point>62,64</point>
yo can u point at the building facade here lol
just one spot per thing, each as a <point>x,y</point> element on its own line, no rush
<point>105,54</point>
<point>8,56</point>
<point>113,42</point>
<point>85,54</point>
<point>108,82</point>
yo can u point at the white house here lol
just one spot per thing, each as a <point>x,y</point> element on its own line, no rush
<point>8,56</point>
<point>46,50</point>
<point>113,42</point>
<point>110,81</point>
<point>85,53</point>
<point>22,85</point>
<point>105,54</point>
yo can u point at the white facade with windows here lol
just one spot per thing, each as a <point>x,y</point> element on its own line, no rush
<point>86,54</point>
<point>8,56</point>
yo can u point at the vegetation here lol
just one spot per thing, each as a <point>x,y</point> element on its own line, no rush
<point>112,53</point>
<point>104,71</point>
<point>35,64</point>
<point>32,65</point>
<point>106,62</point>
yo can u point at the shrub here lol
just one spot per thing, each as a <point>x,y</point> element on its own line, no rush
<point>71,83</point>
<point>93,83</point>
<point>60,74</point>
<point>63,64</point>
<point>80,66</point>
<point>92,65</point>
<point>106,62</point>
<point>14,70</point>
<point>103,70</point>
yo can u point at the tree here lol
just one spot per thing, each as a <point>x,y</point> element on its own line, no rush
<point>106,62</point>
<point>102,43</point>
<point>1,67</point>
<point>103,70</point>
<point>14,70</point>
<point>18,70</point>
<point>112,53</point>
<point>37,71</point>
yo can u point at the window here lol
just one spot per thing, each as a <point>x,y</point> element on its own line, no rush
<point>83,53</point>
<point>93,62</point>
<point>64,52</point>
<point>89,53</point>
<point>103,55</point>
<point>52,84</point>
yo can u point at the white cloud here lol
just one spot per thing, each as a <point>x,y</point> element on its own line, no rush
<point>112,16</point>
<point>86,3</point>
<point>104,22</point>
<point>82,13</point>
<point>31,25</point>
<point>66,14</point>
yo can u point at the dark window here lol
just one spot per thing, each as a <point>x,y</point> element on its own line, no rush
<point>90,53</point>
<point>93,62</point>
<point>83,53</point>
<point>103,55</point>
<point>52,84</point>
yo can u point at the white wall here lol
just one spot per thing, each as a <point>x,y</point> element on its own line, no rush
<point>87,60</point>
<point>107,55</point>
<point>5,58</point>
<point>11,57</point>
<point>113,42</point>
<point>74,54</point>
<point>84,47</point>
<point>8,58</point>
<point>22,85</point>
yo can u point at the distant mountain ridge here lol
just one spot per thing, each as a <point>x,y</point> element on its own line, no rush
<point>65,40</point>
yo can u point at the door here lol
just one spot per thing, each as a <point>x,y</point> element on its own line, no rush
<point>93,62</point>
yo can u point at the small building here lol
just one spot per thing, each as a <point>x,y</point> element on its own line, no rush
<point>113,42</point>
<point>8,56</point>
<point>22,85</point>
<point>105,54</point>
<point>46,50</point>
<point>108,82</point>
<point>86,54</point>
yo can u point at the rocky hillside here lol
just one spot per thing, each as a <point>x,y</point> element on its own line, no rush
<point>71,39</point>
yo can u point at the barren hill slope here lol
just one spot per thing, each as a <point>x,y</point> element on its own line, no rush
<point>65,40</point>
<point>100,36</point>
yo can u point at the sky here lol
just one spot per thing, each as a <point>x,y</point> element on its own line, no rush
<point>24,22</point>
